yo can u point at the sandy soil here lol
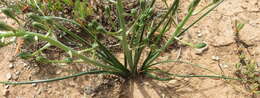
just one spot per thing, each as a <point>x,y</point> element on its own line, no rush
<point>215,29</point>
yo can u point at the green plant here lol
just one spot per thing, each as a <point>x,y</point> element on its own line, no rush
<point>246,68</point>
<point>135,41</point>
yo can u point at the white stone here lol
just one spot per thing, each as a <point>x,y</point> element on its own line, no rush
<point>215,58</point>
<point>11,66</point>
<point>9,76</point>
<point>18,73</point>
<point>199,35</point>
<point>224,65</point>
<point>34,84</point>
<point>173,81</point>
<point>7,86</point>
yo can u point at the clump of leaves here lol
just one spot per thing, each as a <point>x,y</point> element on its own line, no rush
<point>247,69</point>
<point>250,73</point>
<point>134,40</point>
<point>98,16</point>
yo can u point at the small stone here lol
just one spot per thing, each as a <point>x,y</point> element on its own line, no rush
<point>163,95</point>
<point>72,84</point>
<point>199,35</point>
<point>34,84</point>
<point>49,86</point>
<point>9,76</point>
<point>173,82</point>
<point>49,91</point>
<point>58,72</point>
<point>223,65</point>
<point>18,73</point>
<point>11,66</point>
<point>39,91</point>
<point>258,64</point>
<point>178,78</point>
<point>215,58</point>
<point>13,39</point>
<point>24,64</point>
<point>60,13</point>
<point>7,86</point>
<point>146,83</point>
<point>15,77</point>
<point>92,94</point>
<point>186,79</point>
<point>66,11</point>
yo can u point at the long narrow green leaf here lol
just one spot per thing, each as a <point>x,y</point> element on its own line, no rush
<point>180,61</point>
<point>139,50</point>
<point>57,79</point>
<point>157,78</point>
<point>75,36</point>
<point>124,43</point>
<point>38,7</point>
<point>190,76</point>
<point>10,13</point>
<point>41,49</point>
<point>173,9</point>
<point>201,17</point>
<point>5,27</point>
<point>101,46</point>
<point>61,46</point>
<point>154,55</point>
<point>163,31</point>
<point>207,76</point>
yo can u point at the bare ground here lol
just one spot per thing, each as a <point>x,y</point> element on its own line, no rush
<point>215,29</point>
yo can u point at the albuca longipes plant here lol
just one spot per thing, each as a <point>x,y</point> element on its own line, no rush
<point>134,40</point>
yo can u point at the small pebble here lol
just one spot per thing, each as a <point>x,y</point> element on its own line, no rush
<point>186,79</point>
<point>11,66</point>
<point>34,84</point>
<point>49,91</point>
<point>49,86</point>
<point>60,13</point>
<point>173,82</point>
<point>215,58</point>
<point>13,39</point>
<point>58,72</point>
<point>199,35</point>
<point>146,83</point>
<point>258,64</point>
<point>7,86</point>
<point>224,65</point>
<point>18,73</point>
<point>9,76</point>
<point>178,78</point>
<point>163,95</point>
<point>15,77</point>
<point>24,64</point>
<point>39,91</point>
